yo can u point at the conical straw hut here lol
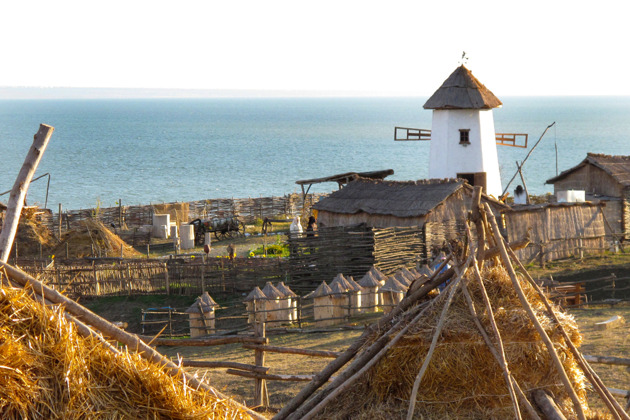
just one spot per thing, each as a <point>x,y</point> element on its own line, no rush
<point>402,279</point>
<point>201,316</point>
<point>424,269</point>
<point>370,296</point>
<point>356,296</point>
<point>392,292</point>
<point>407,273</point>
<point>340,301</point>
<point>256,306</point>
<point>378,275</point>
<point>276,304</point>
<point>291,301</point>
<point>322,305</point>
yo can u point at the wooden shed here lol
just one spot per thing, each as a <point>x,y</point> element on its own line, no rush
<point>605,178</point>
<point>201,316</point>
<point>439,205</point>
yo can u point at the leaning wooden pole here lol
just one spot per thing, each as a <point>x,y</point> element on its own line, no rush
<point>541,331</point>
<point>18,193</point>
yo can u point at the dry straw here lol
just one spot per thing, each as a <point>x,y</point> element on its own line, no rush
<point>48,371</point>
<point>463,379</point>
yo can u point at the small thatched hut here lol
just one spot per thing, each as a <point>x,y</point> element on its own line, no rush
<point>290,301</point>
<point>201,316</point>
<point>276,303</point>
<point>392,292</point>
<point>356,296</point>
<point>322,304</point>
<point>370,296</point>
<point>340,302</point>
<point>256,306</point>
<point>382,204</point>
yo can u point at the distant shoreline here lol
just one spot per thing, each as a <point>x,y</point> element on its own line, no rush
<point>60,93</point>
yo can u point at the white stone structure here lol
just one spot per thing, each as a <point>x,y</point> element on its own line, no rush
<point>463,139</point>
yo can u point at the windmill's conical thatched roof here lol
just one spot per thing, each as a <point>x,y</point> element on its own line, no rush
<point>285,290</point>
<point>271,292</point>
<point>203,303</point>
<point>462,90</point>
<point>369,280</point>
<point>255,294</point>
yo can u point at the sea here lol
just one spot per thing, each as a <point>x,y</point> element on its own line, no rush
<point>140,151</point>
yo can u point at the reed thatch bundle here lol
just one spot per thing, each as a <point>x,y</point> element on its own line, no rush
<point>48,371</point>
<point>463,379</point>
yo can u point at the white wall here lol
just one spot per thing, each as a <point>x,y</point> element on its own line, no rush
<point>448,157</point>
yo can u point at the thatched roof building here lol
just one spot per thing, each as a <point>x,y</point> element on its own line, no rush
<point>598,174</point>
<point>383,204</point>
<point>462,90</point>
<point>605,178</point>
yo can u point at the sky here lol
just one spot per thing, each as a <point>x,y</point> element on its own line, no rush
<point>392,48</point>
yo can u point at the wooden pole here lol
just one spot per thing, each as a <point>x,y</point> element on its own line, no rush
<point>541,331</point>
<point>18,193</point>
<point>261,397</point>
<point>60,220</point>
<point>547,405</point>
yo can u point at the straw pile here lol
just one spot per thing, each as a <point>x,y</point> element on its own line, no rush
<point>31,235</point>
<point>94,238</point>
<point>48,371</point>
<point>463,379</point>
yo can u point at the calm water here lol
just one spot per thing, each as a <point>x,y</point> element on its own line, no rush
<point>144,151</point>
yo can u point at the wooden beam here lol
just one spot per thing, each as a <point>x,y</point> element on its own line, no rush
<point>609,360</point>
<point>201,342</point>
<point>289,350</point>
<point>205,364</point>
<point>18,193</point>
<point>271,376</point>
<point>547,405</point>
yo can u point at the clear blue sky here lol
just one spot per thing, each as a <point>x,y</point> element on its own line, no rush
<point>364,47</point>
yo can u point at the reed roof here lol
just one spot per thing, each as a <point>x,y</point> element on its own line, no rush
<point>618,167</point>
<point>255,294</point>
<point>393,198</point>
<point>378,274</point>
<point>271,292</point>
<point>462,90</point>
<point>322,290</point>
<point>393,285</point>
<point>203,303</point>
<point>353,284</point>
<point>369,280</point>
<point>284,289</point>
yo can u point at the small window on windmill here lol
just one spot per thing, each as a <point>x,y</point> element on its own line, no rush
<point>464,136</point>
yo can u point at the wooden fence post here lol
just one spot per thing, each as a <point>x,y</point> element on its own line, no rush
<point>60,220</point>
<point>97,286</point>
<point>168,285</point>
<point>261,397</point>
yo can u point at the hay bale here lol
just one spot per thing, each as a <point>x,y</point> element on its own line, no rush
<point>94,235</point>
<point>463,380</point>
<point>48,371</point>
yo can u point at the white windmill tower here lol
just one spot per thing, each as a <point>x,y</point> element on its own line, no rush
<point>463,140</point>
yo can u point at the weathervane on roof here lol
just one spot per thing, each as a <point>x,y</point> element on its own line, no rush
<point>464,59</point>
